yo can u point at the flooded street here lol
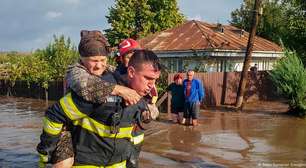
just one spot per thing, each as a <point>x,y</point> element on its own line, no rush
<point>20,127</point>
<point>224,139</point>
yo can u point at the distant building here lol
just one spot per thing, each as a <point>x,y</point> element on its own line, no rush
<point>209,48</point>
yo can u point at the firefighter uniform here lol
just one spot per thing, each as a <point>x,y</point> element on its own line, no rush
<point>101,133</point>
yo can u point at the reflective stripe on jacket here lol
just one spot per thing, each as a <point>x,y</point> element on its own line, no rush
<point>117,165</point>
<point>97,142</point>
<point>90,124</point>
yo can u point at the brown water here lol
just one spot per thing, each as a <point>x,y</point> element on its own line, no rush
<point>20,127</point>
<point>224,139</point>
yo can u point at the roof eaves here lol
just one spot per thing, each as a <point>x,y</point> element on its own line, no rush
<point>213,50</point>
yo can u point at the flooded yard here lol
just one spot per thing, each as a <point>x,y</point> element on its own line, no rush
<point>254,138</point>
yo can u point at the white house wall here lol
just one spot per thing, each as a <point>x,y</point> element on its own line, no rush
<point>214,64</point>
<point>216,60</point>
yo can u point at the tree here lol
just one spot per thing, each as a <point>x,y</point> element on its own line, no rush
<point>248,55</point>
<point>59,54</point>
<point>289,77</point>
<point>270,24</point>
<point>294,31</point>
<point>166,14</point>
<point>28,68</point>
<point>241,17</point>
<point>138,18</point>
<point>283,22</point>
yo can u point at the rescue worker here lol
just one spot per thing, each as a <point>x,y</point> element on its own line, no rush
<point>126,49</point>
<point>91,87</point>
<point>76,75</point>
<point>87,119</point>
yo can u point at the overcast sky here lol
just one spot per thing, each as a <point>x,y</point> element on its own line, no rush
<point>26,25</point>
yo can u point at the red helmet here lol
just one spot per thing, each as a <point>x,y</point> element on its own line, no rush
<point>127,45</point>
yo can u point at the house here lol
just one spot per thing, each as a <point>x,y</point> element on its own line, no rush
<point>209,48</point>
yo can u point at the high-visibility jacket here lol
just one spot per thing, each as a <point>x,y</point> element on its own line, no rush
<point>101,134</point>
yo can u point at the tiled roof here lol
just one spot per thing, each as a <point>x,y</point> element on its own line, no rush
<point>197,35</point>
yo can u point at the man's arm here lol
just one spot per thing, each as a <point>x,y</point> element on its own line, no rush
<point>53,122</point>
<point>93,89</point>
<point>90,87</point>
<point>142,111</point>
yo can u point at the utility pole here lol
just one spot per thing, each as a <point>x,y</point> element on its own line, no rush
<point>248,55</point>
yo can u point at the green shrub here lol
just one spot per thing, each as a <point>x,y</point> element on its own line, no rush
<point>11,66</point>
<point>29,68</point>
<point>42,66</point>
<point>3,58</point>
<point>59,54</point>
<point>289,77</point>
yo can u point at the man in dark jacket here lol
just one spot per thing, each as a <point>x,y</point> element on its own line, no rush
<point>95,89</point>
<point>97,121</point>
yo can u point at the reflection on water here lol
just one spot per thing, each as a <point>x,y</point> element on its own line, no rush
<point>222,139</point>
<point>234,140</point>
<point>20,126</point>
<point>182,137</point>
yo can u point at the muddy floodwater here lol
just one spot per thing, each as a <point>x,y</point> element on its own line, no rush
<point>256,137</point>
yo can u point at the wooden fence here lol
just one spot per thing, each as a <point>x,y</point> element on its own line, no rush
<point>21,89</point>
<point>221,87</point>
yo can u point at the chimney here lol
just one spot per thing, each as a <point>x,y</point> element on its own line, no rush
<point>220,28</point>
<point>242,33</point>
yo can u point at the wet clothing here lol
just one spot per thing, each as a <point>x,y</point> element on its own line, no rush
<point>137,133</point>
<point>191,110</point>
<point>63,149</point>
<point>101,133</point>
<point>194,94</point>
<point>94,89</point>
<point>137,143</point>
<point>177,100</point>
